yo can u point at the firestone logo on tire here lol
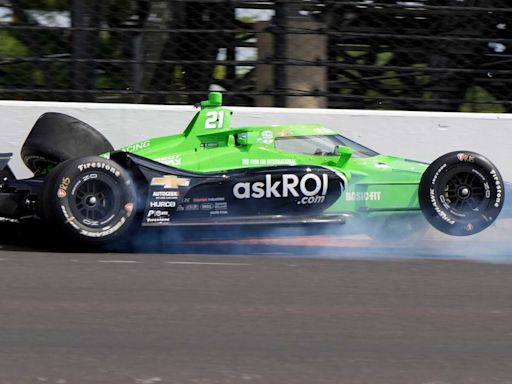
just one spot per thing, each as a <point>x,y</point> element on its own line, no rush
<point>100,165</point>
<point>499,191</point>
<point>311,187</point>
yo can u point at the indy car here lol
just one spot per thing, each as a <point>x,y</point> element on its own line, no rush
<point>213,174</point>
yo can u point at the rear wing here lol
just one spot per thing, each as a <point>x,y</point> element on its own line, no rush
<point>5,171</point>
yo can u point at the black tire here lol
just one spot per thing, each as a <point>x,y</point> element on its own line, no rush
<point>92,199</point>
<point>461,193</point>
<point>57,137</point>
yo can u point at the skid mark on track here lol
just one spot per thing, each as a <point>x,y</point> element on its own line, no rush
<point>119,261</point>
<point>320,240</point>
<point>206,263</point>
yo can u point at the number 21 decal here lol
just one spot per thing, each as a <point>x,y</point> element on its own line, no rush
<point>214,119</point>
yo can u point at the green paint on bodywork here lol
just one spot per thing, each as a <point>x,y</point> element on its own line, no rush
<point>377,184</point>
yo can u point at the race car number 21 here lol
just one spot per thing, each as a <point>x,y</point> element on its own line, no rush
<point>214,119</point>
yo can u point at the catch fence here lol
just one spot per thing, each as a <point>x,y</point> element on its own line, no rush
<point>450,55</point>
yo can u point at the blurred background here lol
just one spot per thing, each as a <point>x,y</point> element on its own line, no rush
<point>451,55</point>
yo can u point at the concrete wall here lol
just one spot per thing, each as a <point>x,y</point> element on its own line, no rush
<point>416,135</point>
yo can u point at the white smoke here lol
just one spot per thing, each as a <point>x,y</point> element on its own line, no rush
<point>349,241</point>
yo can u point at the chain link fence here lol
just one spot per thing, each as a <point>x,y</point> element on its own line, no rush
<point>445,55</point>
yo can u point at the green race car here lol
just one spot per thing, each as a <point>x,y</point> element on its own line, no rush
<point>213,174</point>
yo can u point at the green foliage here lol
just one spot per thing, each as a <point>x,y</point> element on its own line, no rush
<point>10,46</point>
<point>477,93</point>
<point>41,58</point>
<point>219,72</point>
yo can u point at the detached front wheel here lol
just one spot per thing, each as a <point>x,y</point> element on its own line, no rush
<point>461,193</point>
<point>90,198</point>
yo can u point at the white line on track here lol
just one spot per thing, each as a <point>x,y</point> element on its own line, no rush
<point>119,261</point>
<point>205,263</point>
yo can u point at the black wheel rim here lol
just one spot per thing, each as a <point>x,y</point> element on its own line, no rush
<point>464,192</point>
<point>94,201</point>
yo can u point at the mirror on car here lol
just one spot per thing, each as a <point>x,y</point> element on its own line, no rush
<point>344,153</point>
<point>343,150</point>
<point>246,138</point>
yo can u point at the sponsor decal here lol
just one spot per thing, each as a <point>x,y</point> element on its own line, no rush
<point>64,184</point>
<point>164,198</point>
<point>267,137</point>
<point>100,165</point>
<point>221,206</point>
<point>287,185</point>
<point>158,216</point>
<point>465,157</point>
<point>166,194</point>
<point>157,213</point>
<point>363,196</point>
<point>323,130</point>
<point>203,199</point>
<point>137,146</point>
<point>170,181</point>
<point>162,204</point>
<point>210,145</point>
<point>63,187</point>
<point>269,162</point>
<point>311,200</point>
<point>499,188</point>
<point>206,206</point>
<point>192,207</point>
<point>173,161</point>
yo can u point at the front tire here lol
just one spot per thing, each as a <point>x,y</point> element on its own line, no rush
<point>92,199</point>
<point>461,193</point>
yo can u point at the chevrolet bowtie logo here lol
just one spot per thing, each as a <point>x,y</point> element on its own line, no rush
<point>170,181</point>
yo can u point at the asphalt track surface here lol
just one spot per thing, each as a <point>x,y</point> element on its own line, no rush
<point>268,316</point>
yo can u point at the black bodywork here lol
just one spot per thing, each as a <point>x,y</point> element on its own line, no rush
<point>169,196</point>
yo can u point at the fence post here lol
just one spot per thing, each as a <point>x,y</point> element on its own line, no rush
<point>84,47</point>
<point>280,43</point>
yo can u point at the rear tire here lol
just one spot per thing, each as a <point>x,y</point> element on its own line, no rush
<point>461,193</point>
<point>57,137</point>
<point>91,199</point>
